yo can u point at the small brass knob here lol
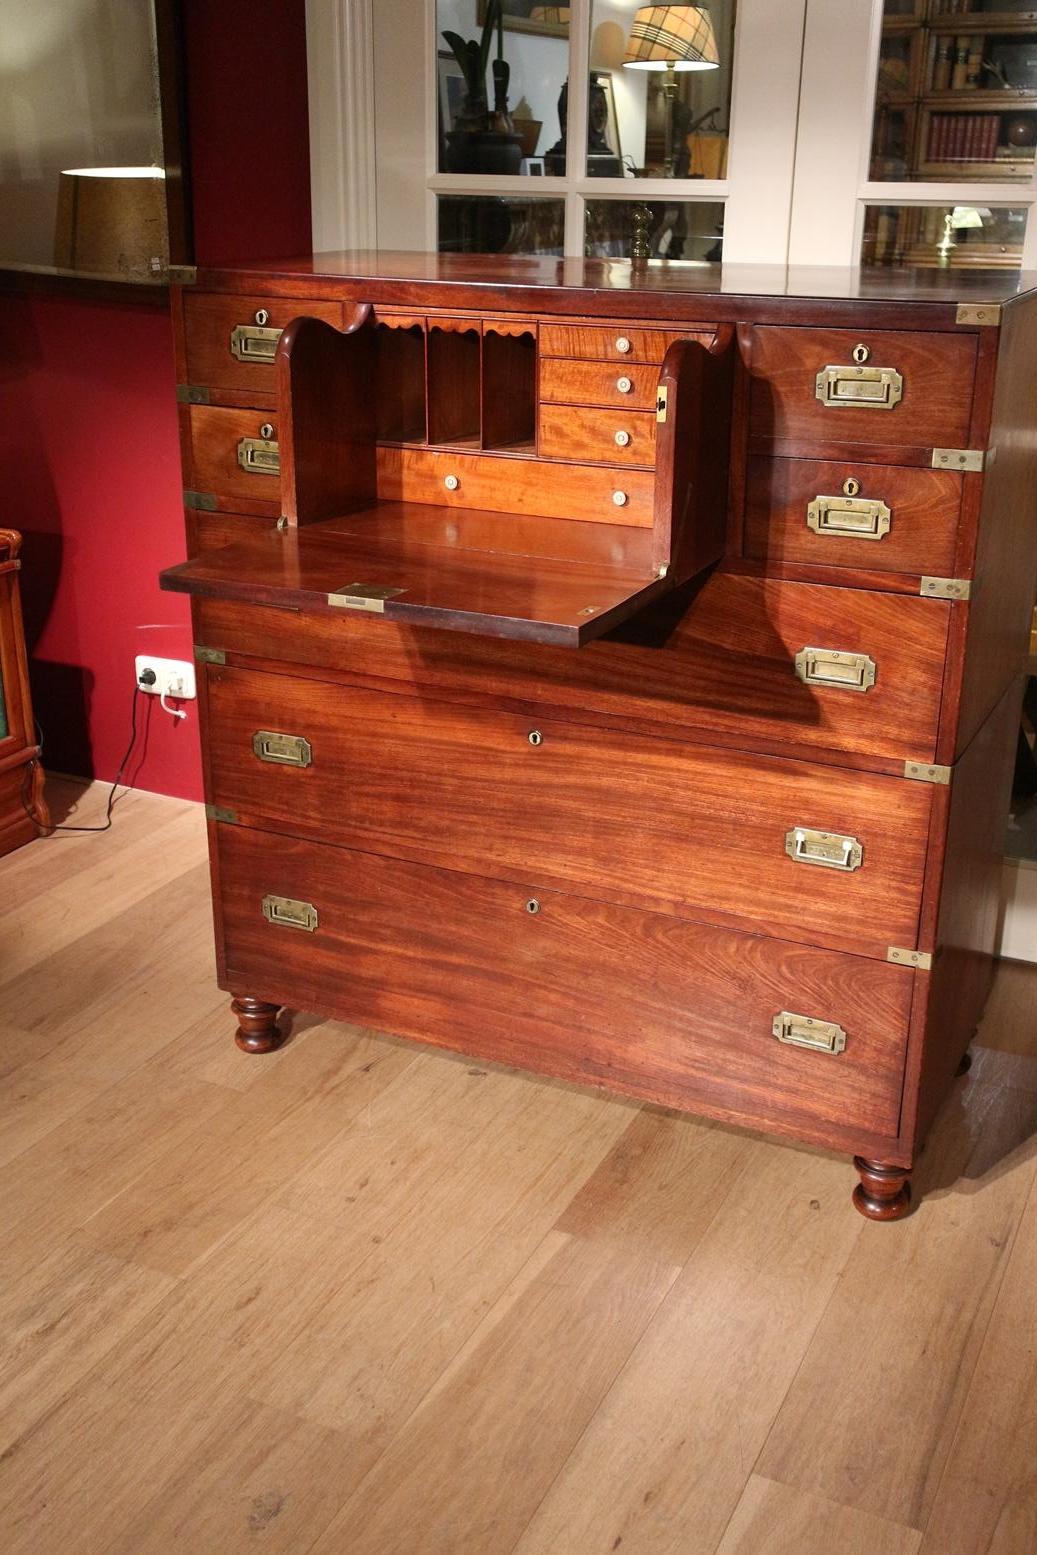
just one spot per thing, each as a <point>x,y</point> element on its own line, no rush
<point>532,906</point>
<point>624,385</point>
<point>622,439</point>
<point>262,317</point>
<point>623,345</point>
<point>535,737</point>
<point>266,431</point>
<point>851,486</point>
<point>619,498</point>
<point>451,483</point>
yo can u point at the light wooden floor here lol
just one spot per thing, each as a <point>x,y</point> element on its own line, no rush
<point>360,1297</point>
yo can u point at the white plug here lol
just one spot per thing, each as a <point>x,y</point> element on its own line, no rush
<point>166,678</point>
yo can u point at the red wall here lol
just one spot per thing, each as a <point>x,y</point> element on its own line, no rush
<point>88,430</point>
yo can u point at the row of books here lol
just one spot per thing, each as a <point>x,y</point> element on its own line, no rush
<point>958,63</point>
<point>963,137</point>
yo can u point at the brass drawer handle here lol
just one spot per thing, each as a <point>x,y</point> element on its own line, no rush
<point>283,750</point>
<point>825,848</point>
<point>878,388</point>
<point>259,456</point>
<point>857,518</point>
<point>835,668</point>
<point>290,914</point>
<point>252,343</point>
<point>824,1036</point>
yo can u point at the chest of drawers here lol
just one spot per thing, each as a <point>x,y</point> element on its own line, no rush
<point>616,673</point>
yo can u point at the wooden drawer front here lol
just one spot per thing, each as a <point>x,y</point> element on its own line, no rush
<point>688,829</point>
<point>918,534</point>
<point>611,343</point>
<point>210,321</point>
<point>677,1013</point>
<point>577,432</point>
<point>231,457</point>
<point>718,660</point>
<point>598,383</point>
<point>501,485</point>
<point>934,409</point>
<point>210,531</point>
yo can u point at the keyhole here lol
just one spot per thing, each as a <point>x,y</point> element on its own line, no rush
<point>851,486</point>
<point>860,354</point>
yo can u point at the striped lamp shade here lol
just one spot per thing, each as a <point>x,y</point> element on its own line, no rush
<point>677,36</point>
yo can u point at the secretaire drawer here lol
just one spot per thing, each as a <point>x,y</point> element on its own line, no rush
<point>580,491</point>
<point>231,340</point>
<point>235,457</point>
<point>790,849</point>
<point>727,659</point>
<point>678,1013</point>
<point>881,386</point>
<point>882,517</point>
<point>605,436</point>
<point>611,343</point>
<point>598,383</point>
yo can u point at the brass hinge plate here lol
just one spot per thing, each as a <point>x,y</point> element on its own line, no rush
<point>192,394</point>
<point>978,313</point>
<point>183,275</point>
<point>924,772</point>
<point>209,655</point>
<point>921,960</point>
<point>363,596</point>
<point>945,588</point>
<point>200,501</point>
<point>958,459</point>
<point>215,812</point>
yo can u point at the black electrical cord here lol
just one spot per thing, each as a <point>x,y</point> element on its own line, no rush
<point>45,831</point>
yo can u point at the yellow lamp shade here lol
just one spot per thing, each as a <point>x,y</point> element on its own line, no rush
<point>112,221</point>
<point>672,37</point>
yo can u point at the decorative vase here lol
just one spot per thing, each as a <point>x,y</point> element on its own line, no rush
<point>483,151</point>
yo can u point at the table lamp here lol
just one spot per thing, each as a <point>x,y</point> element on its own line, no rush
<point>960,219</point>
<point>671,38</point>
<point>112,221</point>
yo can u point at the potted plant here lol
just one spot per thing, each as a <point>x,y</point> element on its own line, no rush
<point>483,140</point>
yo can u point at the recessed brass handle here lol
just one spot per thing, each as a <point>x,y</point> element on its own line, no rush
<point>857,518</point>
<point>253,342</point>
<point>282,750</point>
<point>877,388</point>
<point>259,456</point>
<point>289,913</point>
<point>824,1036</point>
<point>827,849</point>
<point>836,668</point>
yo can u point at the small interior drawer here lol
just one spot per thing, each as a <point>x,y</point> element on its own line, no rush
<point>609,343</point>
<point>567,382</point>
<point>791,849</point>
<point>609,436</point>
<point>231,339</point>
<point>889,387</point>
<point>235,457</point>
<point>678,1013</point>
<point>886,518</point>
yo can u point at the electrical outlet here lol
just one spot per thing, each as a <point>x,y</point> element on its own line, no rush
<point>165,677</point>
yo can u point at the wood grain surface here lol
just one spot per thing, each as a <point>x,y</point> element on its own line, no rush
<point>209,321</point>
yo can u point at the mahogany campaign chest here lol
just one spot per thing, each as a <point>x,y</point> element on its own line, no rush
<point>615,672</point>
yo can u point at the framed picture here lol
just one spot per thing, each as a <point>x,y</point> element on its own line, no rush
<point>546,21</point>
<point>451,95</point>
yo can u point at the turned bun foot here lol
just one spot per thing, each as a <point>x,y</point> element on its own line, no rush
<point>884,1192</point>
<point>257,1025</point>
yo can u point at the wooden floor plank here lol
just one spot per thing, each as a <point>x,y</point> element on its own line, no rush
<point>987,1498</point>
<point>774,1519</point>
<point>663,1463</point>
<point>468,1470</point>
<point>896,1351</point>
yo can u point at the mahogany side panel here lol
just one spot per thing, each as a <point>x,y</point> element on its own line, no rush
<point>642,1003</point>
<point>324,379</point>
<point>1001,608</point>
<point>691,474</point>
